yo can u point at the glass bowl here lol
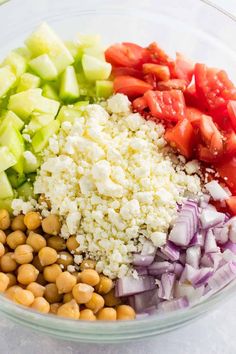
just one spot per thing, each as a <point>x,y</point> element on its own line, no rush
<point>193,27</point>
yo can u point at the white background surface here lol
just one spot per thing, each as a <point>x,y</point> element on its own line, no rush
<point>213,334</point>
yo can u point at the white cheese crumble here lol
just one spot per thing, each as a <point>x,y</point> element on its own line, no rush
<point>113,183</point>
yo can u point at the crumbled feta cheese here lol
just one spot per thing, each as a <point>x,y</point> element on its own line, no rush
<point>192,167</point>
<point>158,238</point>
<point>118,103</point>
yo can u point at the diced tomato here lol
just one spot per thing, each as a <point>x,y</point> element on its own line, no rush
<point>161,72</point>
<point>211,135</point>
<point>130,86</point>
<point>140,104</point>
<point>123,71</point>
<point>183,68</point>
<point>151,79</point>
<point>231,203</point>
<point>181,137</point>
<point>173,84</point>
<point>191,97</point>
<point>205,155</point>
<point>126,54</point>
<point>194,115</point>
<point>231,107</point>
<point>214,89</point>
<point>166,105</point>
<point>158,56</point>
<point>220,205</point>
<point>227,171</point>
<point>230,144</point>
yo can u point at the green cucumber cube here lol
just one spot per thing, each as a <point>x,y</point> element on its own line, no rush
<point>12,138</point>
<point>69,88</point>
<point>7,80</point>
<point>6,190</point>
<point>68,114</point>
<point>26,191</point>
<point>72,46</point>
<point>19,166</point>
<point>6,204</point>
<point>104,88</point>
<point>17,63</point>
<point>23,103</point>
<point>80,104</point>
<point>10,117</point>
<point>95,69</point>
<point>28,81</point>
<point>7,159</point>
<point>44,67</point>
<point>46,105</point>
<point>41,137</point>
<point>89,40</point>
<point>31,162</point>
<point>24,52</point>
<point>15,178</point>
<point>96,51</point>
<point>50,91</point>
<point>45,41</point>
<point>38,120</point>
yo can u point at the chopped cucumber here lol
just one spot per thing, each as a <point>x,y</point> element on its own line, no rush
<point>28,81</point>
<point>45,41</point>
<point>95,69</point>
<point>50,91</point>
<point>6,188</point>
<point>41,137</point>
<point>17,63</point>
<point>44,67</point>
<point>31,162</point>
<point>46,105</point>
<point>80,104</point>
<point>26,191</point>
<point>89,40</point>
<point>72,47</point>
<point>7,159</point>
<point>6,204</point>
<point>104,88</point>
<point>15,179</point>
<point>23,103</point>
<point>24,52</point>
<point>97,52</point>
<point>10,117</point>
<point>67,114</point>
<point>69,89</point>
<point>7,80</point>
<point>12,138</point>
<point>38,120</point>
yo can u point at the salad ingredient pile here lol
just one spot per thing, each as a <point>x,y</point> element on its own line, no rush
<point>117,179</point>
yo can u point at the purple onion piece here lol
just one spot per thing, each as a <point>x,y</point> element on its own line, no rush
<point>141,270</point>
<point>210,242</point>
<point>158,268</point>
<point>230,246</point>
<point>210,218</point>
<point>129,285</point>
<point>223,276</point>
<point>193,255</point>
<point>142,261</point>
<point>221,234</point>
<point>141,302</point>
<point>171,251</point>
<point>166,286</point>
<point>173,305</point>
<point>178,269</point>
<point>198,239</point>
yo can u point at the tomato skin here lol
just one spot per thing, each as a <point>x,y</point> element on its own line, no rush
<point>230,144</point>
<point>231,203</point>
<point>172,84</point>
<point>161,72</point>
<point>166,105</point>
<point>205,155</point>
<point>130,86</point>
<point>194,115</point>
<point>139,104</point>
<point>211,135</point>
<point>126,55</point>
<point>181,137</point>
<point>184,68</point>
<point>231,108</point>
<point>157,55</point>
<point>124,70</point>
<point>227,171</point>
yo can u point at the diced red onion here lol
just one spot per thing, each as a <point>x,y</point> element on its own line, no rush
<point>228,255</point>
<point>204,201</point>
<point>180,234</point>
<point>161,256</point>
<point>142,261</point>
<point>198,239</point>
<point>158,268</point>
<point>197,277</point>
<point>223,276</point>
<point>212,260</point>
<point>148,248</point>
<point>129,285</point>
<point>230,246</point>
<point>189,291</point>
<point>178,269</point>
<point>221,234</point>
<point>216,191</point>
<point>232,232</point>
<point>210,218</point>
<point>210,242</point>
<point>141,270</point>
<point>193,255</point>
<point>171,251</point>
<point>165,290</point>
<point>140,302</point>
<point>173,305</point>
<point>182,258</point>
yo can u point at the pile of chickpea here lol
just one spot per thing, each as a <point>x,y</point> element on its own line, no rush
<point>33,272</point>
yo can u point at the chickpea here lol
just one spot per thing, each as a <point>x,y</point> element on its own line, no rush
<point>47,256</point>
<point>125,312</point>
<point>23,254</point>
<point>36,241</point>
<point>56,242</point>
<point>72,244</point>
<point>4,282</point>
<point>110,299</point>
<point>32,220</point>
<point>51,272</point>
<point>41,305</point>
<point>69,309</point>
<point>65,258</point>
<point>90,277</point>
<point>65,282</point>
<point>7,263</point>
<point>37,264</point>
<point>96,303</point>
<point>11,292</point>
<point>43,200</point>
<point>18,223</point>
<point>107,314</point>
<point>12,279</point>
<point>40,279</point>
<point>51,293</point>
<point>82,293</point>
<point>2,249</point>
<point>105,285</point>
<point>87,315</point>
<point>5,220</point>
<point>87,264</point>
<point>67,297</point>
<point>54,307</point>
<point>3,237</point>
<point>24,297</point>
<point>51,225</point>
<point>27,273</point>
<point>36,289</point>
<point>15,239</point>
